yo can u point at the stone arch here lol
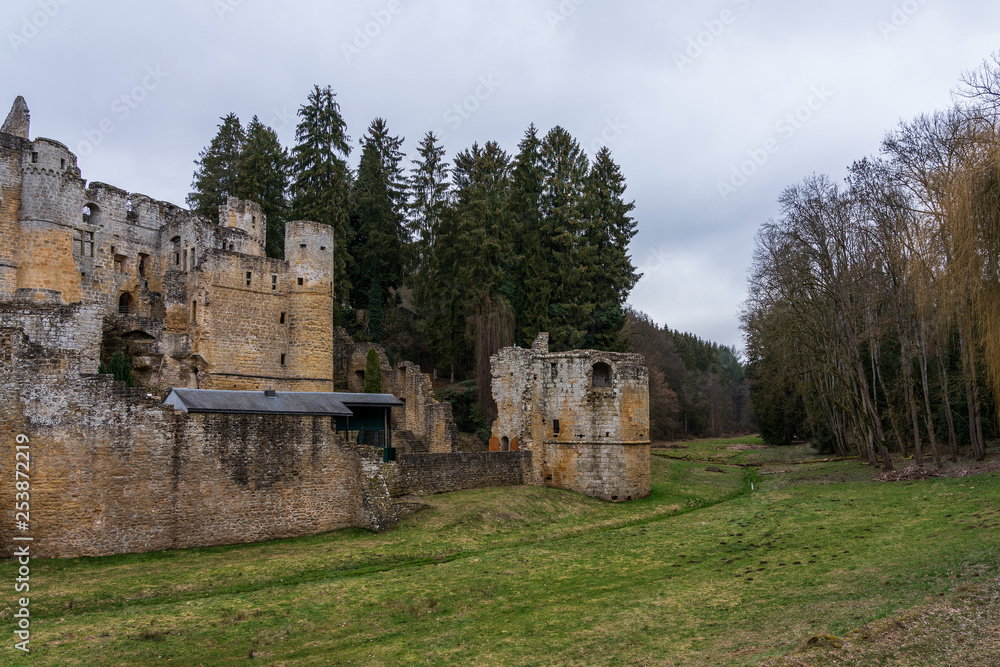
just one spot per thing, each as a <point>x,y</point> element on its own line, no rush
<point>91,214</point>
<point>601,375</point>
<point>126,304</point>
<point>505,444</point>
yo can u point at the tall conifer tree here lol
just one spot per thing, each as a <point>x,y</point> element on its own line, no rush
<point>378,214</point>
<point>321,178</point>
<point>610,231</point>
<point>571,261</point>
<point>216,175</point>
<point>263,178</point>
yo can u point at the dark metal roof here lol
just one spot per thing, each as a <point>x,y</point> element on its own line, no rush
<point>369,400</point>
<point>259,402</point>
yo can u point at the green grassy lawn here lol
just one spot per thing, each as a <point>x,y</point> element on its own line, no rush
<point>703,572</point>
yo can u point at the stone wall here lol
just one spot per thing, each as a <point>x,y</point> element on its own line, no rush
<point>618,473</point>
<point>113,471</point>
<point>585,415</point>
<point>427,474</point>
<point>144,260</point>
<point>428,419</point>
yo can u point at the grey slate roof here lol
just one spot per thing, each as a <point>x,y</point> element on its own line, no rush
<point>369,400</point>
<point>282,403</point>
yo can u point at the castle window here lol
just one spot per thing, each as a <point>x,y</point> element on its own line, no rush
<point>253,221</point>
<point>83,278</point>
<point>141,266</point>
<point>282,320</point>
<point>555,426</point>
<point>177,258</point>
<point>301,282</point>
<point>126,304</point>
<point>601,375</point>
<point>83,243</point>
<point>249,278</point>
<point>555,371</point>
<point>62,163</point>
<point>194,256</point>
<point>120,263</point>
<point>90,215</point>
<point>34,158</point>
<point>274,283</point>
<point>283,359</point>
<point>231,247</point>
<point>185,259</point>
<point>322,248</point>
<point>194,312</point>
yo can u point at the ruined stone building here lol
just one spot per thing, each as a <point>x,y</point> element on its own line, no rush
<point>583,415</point>
<point>253,444</point>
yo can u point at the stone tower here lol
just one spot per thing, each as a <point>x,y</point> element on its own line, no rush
<point>584,415</point>
<point>51,212</point>
<point>309,253</point>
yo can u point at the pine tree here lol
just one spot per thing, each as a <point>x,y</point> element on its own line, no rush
<point>216,175</point>
<point>568,263</point>
<point>377,214</point>
<point>482,191</point>
<point>610,230</point>
<point>321,178</point>
<point>373,373</point>
<point>263,178</point>
<point>531,295</point>
<point>428,192</point>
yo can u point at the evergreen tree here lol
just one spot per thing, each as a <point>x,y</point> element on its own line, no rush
<point>568,263</point>
<point>121,367</point>
<point>610,230</point>
<point>482,191</point>
<point>215,177</point>
<point>263,178</point>
<point>377,214</point>
<point>375,301</point>
<point>531,295</point>
<point>321,178</point>
<point>373,373</point>
<point>428,196</point>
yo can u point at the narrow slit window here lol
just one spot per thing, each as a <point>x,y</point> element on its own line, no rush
<point>282,320</point>
<point>249,278</point>
<point>274,283</point>
<point>283,359</point>
<point>555,426</point>
<point>301,282</point>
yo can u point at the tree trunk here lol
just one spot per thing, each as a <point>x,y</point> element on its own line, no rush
<point>929,419</point>
<point>952,439</point>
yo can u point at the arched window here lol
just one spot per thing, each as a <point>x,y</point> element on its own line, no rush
<point>504,444</point>
<point>601,375</point>
<point>91,214</point>
<point>126,304</point>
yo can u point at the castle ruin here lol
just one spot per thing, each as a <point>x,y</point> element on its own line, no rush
<point>583,415</point>
<point>88,269</point>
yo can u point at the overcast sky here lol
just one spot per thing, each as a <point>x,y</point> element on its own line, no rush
<point>710,108</point>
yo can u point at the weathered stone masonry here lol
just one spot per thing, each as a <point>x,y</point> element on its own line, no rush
<point>114,471</point>
<point>583,415</point>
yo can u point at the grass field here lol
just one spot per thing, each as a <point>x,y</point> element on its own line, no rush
<point>703,572</point>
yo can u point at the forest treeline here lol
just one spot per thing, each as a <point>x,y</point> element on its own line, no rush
<point>446,262</point>
<point>873,316</point>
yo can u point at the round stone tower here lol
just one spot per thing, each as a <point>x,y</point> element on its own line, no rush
<point>309,253</point>
<point>51,215</point>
